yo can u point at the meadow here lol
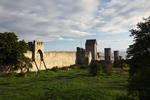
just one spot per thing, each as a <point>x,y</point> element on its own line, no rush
<point>68,84</point>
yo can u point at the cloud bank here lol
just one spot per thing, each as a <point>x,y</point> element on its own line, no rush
<point>49,20</point>
<point>119,16</point>
<point>127,40</point>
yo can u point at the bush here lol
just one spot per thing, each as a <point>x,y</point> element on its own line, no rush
<point>108,69</point>
<point>95,69</point>
<point>121,64</point>
<point>55,69</point>
<point>140,83</point>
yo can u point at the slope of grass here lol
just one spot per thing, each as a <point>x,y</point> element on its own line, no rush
<point>62,85</point>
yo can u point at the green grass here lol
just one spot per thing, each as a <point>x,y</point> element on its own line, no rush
<point>74,84</point>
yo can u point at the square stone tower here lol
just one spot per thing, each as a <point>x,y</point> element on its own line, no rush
<point>91,45</point>
<point>83,56</point>
<point>37,49</point>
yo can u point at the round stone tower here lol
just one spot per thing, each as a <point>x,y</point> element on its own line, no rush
<point>116,55</point>
<point>108,55</point>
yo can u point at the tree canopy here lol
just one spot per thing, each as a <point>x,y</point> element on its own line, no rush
<point>11,50</point>
<point>139,57</point>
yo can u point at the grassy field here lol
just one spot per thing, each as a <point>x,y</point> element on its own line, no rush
<point>74,84</point>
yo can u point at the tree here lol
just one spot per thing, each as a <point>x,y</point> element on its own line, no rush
<point>139,55</point>
<point>121,64</point>
<point>11,51</point>
<point>24,64</point>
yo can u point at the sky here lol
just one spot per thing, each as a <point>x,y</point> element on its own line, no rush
<point>66,24</point>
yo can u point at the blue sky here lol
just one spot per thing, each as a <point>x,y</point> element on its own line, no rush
<point>65,24</point>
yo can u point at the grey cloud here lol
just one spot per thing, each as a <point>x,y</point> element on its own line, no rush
<point>127,40</point>
<point>120,16</point>
<point>37,19</point>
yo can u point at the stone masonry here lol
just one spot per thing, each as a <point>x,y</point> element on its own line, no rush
<point>42,60</point>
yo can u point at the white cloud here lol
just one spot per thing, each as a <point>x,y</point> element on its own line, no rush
<point>53,19</point>
<point>120,16</point>
<point>44,19</point>
<point>127,40</point>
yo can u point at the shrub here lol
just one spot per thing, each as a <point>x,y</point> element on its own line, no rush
<point>121,64</point>
<point>139,83</point>
<point>95,69</point>
<point>55,69</point>
<point>108,69</point>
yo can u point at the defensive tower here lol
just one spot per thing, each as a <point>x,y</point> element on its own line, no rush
<point>83,56</point>
<point>108,55</point>
<point>91,45</point>
<point>116,55</point>
<point>37,49</point>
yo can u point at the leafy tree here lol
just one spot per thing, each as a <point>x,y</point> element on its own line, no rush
<point>24,64</point>
<point>121,64</point>
<point>139,55</point>
<point>11,51</point>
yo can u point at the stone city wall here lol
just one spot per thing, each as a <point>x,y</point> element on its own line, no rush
<point>51,59</point>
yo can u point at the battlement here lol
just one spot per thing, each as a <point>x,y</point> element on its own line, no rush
<point>43,60</point>
<point>40,43</point>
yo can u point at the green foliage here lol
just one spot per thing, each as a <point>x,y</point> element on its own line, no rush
<point>139,52</point>
<point>55,69</point>
<point>95,69</point>
<point>140,82</point>
<point>121,64</point>
<point>139,55</point>
<point>64,68</point>
<point>108,69</point>
<point>24,64</point>
<point>79,66</point>
<point>11,51</point>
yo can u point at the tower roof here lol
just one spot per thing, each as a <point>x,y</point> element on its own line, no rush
<point>91,41</point>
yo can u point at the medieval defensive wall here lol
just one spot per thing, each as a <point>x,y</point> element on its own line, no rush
<point>42,60</point>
